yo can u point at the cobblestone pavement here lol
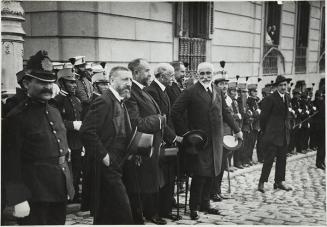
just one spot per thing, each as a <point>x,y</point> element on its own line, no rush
<point>304,205</point>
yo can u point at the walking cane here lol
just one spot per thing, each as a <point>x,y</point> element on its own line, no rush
<point>228,176</point>
<point>177,179</point>
<point>186,192</point>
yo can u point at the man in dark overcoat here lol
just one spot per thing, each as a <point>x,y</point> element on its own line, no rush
<point>274,122</point>
<point>157,89</point>
<point>106,131</point>
<point>141,175</point>
<point>37,179</point>
<point>206,109</point>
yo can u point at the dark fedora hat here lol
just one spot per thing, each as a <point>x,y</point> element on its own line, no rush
<point>280,79</point>
<point>194,140</point>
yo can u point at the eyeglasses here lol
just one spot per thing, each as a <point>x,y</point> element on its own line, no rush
<point>205,73</point>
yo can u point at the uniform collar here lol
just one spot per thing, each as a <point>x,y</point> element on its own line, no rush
<point>141,86</point>
<point>160,84</point>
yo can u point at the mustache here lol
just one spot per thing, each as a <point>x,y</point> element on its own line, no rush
<point>46,91</point>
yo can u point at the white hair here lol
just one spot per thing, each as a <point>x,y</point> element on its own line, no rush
<point>163,67</point>
<point>205,65</point>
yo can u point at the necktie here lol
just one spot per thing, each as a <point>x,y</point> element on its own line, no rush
<point>209,92</point>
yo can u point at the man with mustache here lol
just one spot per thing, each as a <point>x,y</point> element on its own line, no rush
<point>142,175</point>
<point>207,109</point>
<point>36,175</point>
<point>275,125</point>
<point>83,80</point>
<point>105,133</point>
<point>70,108</point>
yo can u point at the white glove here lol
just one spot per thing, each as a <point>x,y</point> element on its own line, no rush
<point>77,125</point>
<point>106,160</point>
<point>259,111</point>
<point>21,210</point>
<point>300,110</point>
<point>240,116</point>
<point>314,108</point>
<point>308,125</point>
<point>307,112</point>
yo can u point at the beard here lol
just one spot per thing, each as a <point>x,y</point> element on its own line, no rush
<point>124,91</point>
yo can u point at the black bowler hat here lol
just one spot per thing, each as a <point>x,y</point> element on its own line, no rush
<point>40,67</point>
<point>194,140</point>
<point>280,79</point>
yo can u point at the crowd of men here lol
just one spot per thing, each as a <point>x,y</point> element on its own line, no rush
<point>120,144</point>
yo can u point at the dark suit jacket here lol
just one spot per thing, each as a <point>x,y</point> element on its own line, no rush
<point>207,114</point>
<point>102,135</point>
<point>173,92</point>
<point>163,102</point>
<point>274,120</point>
<point>145,114</point>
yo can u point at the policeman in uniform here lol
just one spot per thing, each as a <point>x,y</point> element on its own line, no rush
<point>100,82</point>
<point>232,93</point>
<point>304,127</point>
<point>84,85</point>
<point>70,108</point>
<point>253,105</point>
<point>36,175</point>
<point>294,137</point>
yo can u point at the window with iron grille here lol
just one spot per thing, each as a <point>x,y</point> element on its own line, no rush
<point>272,29</point>
<point>322,43</point>
<point>194,25</point>
<point>302,30</point>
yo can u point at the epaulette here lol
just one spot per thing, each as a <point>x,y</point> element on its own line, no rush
<point>63,93</point>
<point>23,105</point>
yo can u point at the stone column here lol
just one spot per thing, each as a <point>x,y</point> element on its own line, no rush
<point>12,16</point>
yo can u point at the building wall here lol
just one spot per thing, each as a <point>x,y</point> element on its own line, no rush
<point>115,32</point>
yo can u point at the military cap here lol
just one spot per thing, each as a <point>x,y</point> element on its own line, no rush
<point>68,65</point>
<point>221,76</point>
<point>40,67</point>
<point>58,65</point>
<point>66,74</point>
<point>252,87</point>
<point>88,65</point>
<point>242,85</point>
<point>78,60</point>
<point>97,68</point>
<point>232,85</point>
<point>99,77</point>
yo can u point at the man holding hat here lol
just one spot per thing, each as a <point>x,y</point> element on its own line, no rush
<point>274,122</point>
<point>84,86</point>
<point>36,175</point>
<point>105,132</point>
<point>206,108</point>
<point>70,108</point>
<point>221,82</point>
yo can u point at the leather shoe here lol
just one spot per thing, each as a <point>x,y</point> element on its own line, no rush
<point>216,198</point>
<point>261,187</point>
<point>321,166</point>
<point>173,217</point>
<point>212,211</point>
<point>239,166</point>
<point>157,220</point>
<point>245,165</point>
<point>194,215</point>
<point>282,186</point>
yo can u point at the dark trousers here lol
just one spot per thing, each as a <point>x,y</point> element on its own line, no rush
<point>321,147</point>
<point>293,139</point>
<point>216,183</point>
<point>200,192</point>
<point>252,139</point>
<point>246,148</point>
<point>114,206</point>
<point>45,213</point>
<point>303,136</point>
<point>260,148</point>
<point>280,153</point>
<point>166,193</point>
<point>144,205</point>
<point>77,165</point>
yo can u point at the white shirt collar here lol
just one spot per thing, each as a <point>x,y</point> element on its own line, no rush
<point>281,95</point>
<point>118,97</point>
<point>160,84</point>
<point>206,86</point>
<point>141,86</point>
